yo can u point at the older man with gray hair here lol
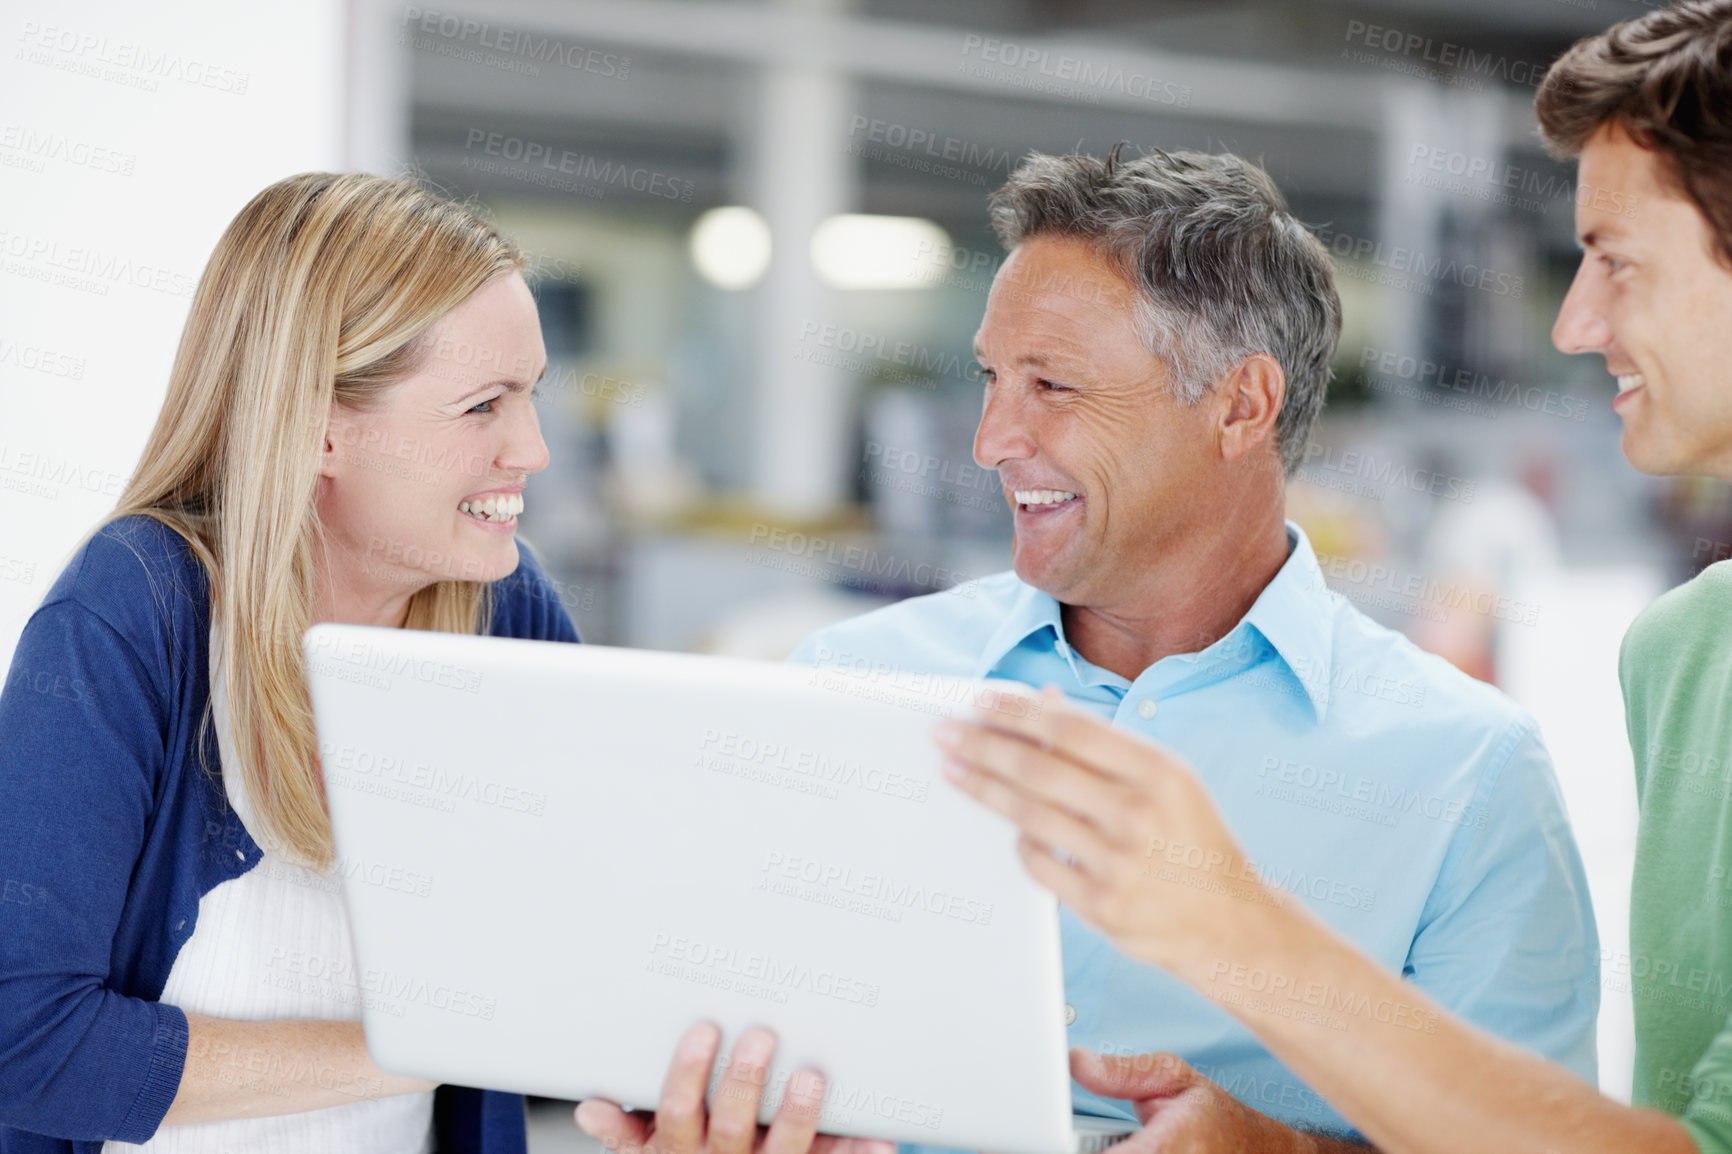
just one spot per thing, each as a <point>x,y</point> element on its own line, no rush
<point>1154,352</point>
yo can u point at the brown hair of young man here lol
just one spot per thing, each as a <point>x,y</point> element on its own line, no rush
<point>1666,79</point>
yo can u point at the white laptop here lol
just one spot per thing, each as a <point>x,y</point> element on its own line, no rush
<point>556,858</point>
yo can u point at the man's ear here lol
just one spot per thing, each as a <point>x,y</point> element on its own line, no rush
<point>1253,392</point>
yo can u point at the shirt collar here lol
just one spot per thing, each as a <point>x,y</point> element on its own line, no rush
<point>1031,612</point>
<point>1294,614</point>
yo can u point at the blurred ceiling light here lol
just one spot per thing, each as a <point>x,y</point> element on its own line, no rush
<point>731,247</point>
<point>853,251</point>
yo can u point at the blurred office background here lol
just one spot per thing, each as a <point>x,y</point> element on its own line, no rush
<point>761,250</point>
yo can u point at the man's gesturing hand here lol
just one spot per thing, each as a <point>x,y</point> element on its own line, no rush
<point>1118,827</point>
<point>681,1125</point>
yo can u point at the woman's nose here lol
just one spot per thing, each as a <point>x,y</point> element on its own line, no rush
<point>525,451</point>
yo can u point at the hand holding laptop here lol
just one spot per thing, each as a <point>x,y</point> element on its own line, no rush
<point>681,1127</point>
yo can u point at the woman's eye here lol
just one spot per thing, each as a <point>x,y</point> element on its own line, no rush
<point>483,406</point>
<point>1612,263</point>
<point>1052,387</point>
<point>984,374</point>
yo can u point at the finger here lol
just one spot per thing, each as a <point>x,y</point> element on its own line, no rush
<point>1036,817</point>
<point>616,1130</point>
<point>1137,1078</point>
<point>1049,775</point>
<point>831,1144</point>
<point>1068,884</point>
<point>734,1110</point>
<point>796,1123</point>
<point>1056,724</point>
<point>679,1127</point>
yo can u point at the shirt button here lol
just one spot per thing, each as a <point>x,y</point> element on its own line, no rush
<point>1069,1015</point>
<point>1146,708</point>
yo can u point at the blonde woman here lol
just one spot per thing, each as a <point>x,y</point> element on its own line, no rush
<point>346,437</point>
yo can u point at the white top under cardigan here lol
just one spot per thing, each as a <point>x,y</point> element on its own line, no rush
<point>274,943</point>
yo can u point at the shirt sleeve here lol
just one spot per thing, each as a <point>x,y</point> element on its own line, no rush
<point>1708,1117</point>
<point>83,732</point>
<point>1507,939</point>
<point>806,653</point>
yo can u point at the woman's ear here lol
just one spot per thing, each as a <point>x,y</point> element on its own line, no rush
<point>1254,389</point>
<point>336,433</point>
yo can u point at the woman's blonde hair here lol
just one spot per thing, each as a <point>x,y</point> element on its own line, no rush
<point>319,290</point>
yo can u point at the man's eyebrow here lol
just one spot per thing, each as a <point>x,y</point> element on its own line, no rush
<point>1599,233</point>
<point>1030,360</point>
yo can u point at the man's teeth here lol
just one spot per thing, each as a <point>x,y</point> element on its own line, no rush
<point>500,507</point>
<point>1628,381</point>
<point>1041,496</point>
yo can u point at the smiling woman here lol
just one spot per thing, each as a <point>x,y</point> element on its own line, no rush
<point>346,436</point>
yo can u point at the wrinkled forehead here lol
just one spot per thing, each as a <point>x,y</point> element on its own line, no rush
<point>1062,268</point>
<point>1059,288</point>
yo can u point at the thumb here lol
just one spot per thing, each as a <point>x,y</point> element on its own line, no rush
<point>1132,1077</point>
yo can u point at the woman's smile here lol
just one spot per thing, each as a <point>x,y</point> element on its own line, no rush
<point>497,511</point>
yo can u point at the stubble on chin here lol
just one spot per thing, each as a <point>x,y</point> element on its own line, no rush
<point>1054,575</point>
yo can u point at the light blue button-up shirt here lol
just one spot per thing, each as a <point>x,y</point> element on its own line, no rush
<point>1410,806</point>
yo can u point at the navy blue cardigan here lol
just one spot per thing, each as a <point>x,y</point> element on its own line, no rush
<point>110,832</point>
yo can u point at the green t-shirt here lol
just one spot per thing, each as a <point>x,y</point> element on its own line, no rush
<point>1676,669</point>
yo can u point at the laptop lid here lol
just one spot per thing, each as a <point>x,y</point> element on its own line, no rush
<point>557,857</point>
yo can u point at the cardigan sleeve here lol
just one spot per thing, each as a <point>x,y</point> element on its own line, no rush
<point>467,1121</point>
<point>83,734</point>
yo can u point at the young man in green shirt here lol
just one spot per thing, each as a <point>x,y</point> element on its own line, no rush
<point>1647,108</point>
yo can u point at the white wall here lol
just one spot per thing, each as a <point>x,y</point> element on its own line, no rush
<point>130,134</point>
<point>1564,669</point>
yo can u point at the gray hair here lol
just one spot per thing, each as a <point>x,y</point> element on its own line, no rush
<point>1222,269</point>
